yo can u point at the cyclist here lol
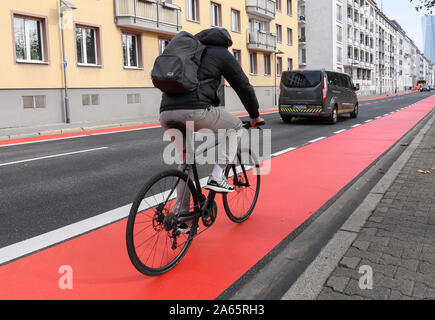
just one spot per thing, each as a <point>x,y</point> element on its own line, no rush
<point>201,105</point>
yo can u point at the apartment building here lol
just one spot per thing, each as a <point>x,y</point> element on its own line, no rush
<point>356,37</point>
<point>110,47</point>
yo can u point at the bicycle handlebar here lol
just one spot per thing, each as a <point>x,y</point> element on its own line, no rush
<point>247,124</point>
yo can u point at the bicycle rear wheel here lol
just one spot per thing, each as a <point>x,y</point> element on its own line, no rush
<point>245,176</point>
<point>154,244</point>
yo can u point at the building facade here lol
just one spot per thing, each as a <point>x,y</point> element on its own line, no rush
<point>110,48</point>
<point>356,37</point>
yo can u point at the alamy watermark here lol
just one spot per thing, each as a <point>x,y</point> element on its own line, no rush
<point>366,280</point>
<point>65,282</point>
<point>218,148</point>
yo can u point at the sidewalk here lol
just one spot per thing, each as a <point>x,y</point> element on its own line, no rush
<point>396,241</point>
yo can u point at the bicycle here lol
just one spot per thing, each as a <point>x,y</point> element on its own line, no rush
<point>155,244</point>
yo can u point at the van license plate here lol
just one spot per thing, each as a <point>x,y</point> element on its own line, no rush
<point>299,107</point>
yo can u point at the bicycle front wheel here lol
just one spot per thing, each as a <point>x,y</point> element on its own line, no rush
<point>244,175</point>
<point>153,243</point>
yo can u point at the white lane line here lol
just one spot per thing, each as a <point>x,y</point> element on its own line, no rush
<point>43,241</point>
<point>282,152</point>
<point>52,156</point>
<point>385,114</point>
<point>340,131</point>
<point>356,125</point>
<point>378,117</point>
<point>368,121</point>
<point>316,140</point>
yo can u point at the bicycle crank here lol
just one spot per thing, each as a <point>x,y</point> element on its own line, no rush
<point>209,214</point>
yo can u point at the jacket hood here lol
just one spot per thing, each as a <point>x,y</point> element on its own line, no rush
<point>215,37</point>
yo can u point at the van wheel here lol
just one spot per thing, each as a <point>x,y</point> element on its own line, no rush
<point>354,114</point>
<point>334,116</point>
<point>286,119</point>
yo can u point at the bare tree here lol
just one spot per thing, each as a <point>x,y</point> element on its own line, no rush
<point>424,5</point>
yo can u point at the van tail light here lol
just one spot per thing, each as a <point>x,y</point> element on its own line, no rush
<point>324,90</point>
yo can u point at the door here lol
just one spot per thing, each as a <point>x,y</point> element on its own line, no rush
<point>336,91</point>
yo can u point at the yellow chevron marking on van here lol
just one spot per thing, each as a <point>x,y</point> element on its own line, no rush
<point>285,109</point>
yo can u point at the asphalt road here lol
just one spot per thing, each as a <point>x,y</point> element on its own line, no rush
<point>48,185</point>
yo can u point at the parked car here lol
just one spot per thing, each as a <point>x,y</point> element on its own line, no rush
<point>317,93</point>
<point>431,87</point>
<point>424,88</point>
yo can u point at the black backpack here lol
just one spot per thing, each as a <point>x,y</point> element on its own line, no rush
<point>176,70</point>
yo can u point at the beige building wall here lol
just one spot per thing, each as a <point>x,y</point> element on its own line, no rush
<point>109,78</point>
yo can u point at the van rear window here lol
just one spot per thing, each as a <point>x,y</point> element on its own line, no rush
<point>297,79</point>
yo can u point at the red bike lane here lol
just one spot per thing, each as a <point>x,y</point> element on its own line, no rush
<point>299,183</point>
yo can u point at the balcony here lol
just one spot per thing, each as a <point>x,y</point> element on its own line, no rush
<point>148,15</point>
<point>261,41</point>
<point>302,41</point>
<point>301,19</point>
<point>262,8</point>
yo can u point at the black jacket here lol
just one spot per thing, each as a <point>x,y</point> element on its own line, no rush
<point>216,62</point>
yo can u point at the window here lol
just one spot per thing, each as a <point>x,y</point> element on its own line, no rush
<point>133,98</point>
<point>192,10</point>
<point>86,43</point>
<point>215,10</point>
<point>34,102</point>
<point>289,64</point>
<point>253,63</point>
<point>130,49</point>
<point>90,99</point>
<point>29,39</point>
<point>278,66</point>
<point>289,36</point>
<point>163,43</point>
<point>339,34</point>
<point>278,33</point>
<point>267,71</point>
<point>235,20</point>
<point>289,7</point>
<point>278,5</point>
<point>339,13</point>
<point>238,55</point>
<point>339,54</point>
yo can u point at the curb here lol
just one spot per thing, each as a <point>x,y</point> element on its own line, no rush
<point>309,285</point>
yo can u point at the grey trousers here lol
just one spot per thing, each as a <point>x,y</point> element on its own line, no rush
<point>213,118</point>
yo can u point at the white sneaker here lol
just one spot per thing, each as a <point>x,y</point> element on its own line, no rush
<point>220,186</point>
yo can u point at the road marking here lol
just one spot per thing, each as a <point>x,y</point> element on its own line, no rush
<point>378,117</point>
<point>29,246</point>
<point>356,125</point>
<point>52,156</point>
<point>282,152</point>
<point>340,131</point>
<point>316,140</point>
<point>368,121</point>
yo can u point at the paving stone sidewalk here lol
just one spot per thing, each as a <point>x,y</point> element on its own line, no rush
<point>398,240</point>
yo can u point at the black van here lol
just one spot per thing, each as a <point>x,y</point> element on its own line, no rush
<point>317,93</point>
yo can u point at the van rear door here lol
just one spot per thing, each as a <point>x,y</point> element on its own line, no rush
<point>301,88</point>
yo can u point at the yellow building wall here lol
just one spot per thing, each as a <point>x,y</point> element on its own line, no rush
<point>112,73</point>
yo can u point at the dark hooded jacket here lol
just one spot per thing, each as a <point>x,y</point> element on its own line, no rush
<point>216,62</point>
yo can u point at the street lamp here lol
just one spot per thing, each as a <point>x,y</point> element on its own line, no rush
<point>65,6</point>
<point>276,71</point>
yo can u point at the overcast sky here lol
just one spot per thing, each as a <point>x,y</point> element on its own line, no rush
<point>403,11</point>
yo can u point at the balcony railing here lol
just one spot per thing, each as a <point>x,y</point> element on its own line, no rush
<point>153,15</point>
<point>263,8</point>
<point>262,41</point>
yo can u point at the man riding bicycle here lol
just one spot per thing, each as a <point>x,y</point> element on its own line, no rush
<point>201,106</point>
